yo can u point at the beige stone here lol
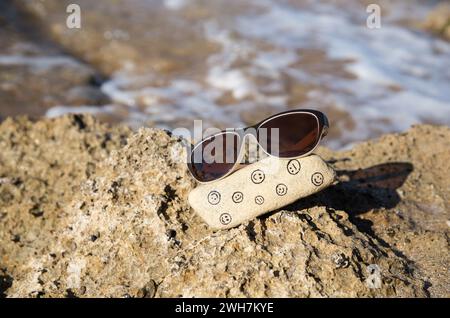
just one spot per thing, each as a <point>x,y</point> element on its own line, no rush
<point>259,188</point>
<point>88,210</point>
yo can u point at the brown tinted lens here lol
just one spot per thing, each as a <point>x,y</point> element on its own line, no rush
<point>298,133</point>
<point>214,157</point>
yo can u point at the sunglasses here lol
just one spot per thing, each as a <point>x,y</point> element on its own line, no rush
<point>289,134</point>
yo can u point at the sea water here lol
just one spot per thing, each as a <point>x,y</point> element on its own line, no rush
<point>279,55</point>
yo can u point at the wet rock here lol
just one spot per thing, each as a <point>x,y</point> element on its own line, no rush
<point>438,20</point>
<point>381,231</point>
<point>86,95</point>
<point>36,73</point>
<point>112,38</point>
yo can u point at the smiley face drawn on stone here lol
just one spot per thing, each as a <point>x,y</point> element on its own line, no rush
<point>214,197</point>
<point>317,179</point>
<point>225,218</point>
<point>293,166</point>
<point>281,189</point>
<point>259,199</point>
<point>258,176</point>
<point>237,197</point>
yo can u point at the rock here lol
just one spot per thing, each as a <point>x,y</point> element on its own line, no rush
<point>36,73</point>
<point>438,20</point>
<point>112,38</point>
<point>79,95</point>
<point>259,188</point>
<point>116,221</point>
<point>41,167</point>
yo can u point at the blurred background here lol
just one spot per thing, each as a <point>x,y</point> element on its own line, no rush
<point>230,63</point>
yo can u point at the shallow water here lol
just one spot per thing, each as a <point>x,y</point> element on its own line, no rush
<point>277,55</point>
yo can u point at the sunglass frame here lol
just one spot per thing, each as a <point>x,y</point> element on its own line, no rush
<point>323,126</point>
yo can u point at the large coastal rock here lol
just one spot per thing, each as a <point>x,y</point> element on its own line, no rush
<point>87,210</point>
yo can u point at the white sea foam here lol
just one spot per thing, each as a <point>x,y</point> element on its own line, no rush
<point>175,4</point>
<point>392,56</point>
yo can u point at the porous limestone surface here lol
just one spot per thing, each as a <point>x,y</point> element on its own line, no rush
<point>88,210</point>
